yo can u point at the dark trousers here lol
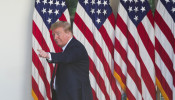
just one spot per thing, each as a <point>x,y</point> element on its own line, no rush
<point>54,95</point>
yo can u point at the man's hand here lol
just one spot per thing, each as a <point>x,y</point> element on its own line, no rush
<point>43,54</point>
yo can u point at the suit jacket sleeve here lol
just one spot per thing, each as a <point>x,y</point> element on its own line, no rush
<point>74,54</point>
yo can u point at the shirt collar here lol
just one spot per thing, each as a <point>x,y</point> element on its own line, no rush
<point>64,47</point>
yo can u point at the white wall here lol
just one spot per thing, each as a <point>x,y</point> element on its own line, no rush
<point>15,49</point>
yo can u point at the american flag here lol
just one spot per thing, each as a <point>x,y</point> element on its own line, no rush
<point>134,50</point>
<point>165,48</point>
<point>93,26</point>
<point>45,13</point>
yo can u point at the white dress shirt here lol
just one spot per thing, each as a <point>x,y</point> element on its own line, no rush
<point>50,59</point>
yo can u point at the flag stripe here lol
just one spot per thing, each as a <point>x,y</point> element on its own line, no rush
<point>164,42</point>
<point>132,87</point>
<point>107,39</point>
<point>165,73</point>
<point>133,37</point>
<point>149,29</point>
<point>39,81</point>
<point>164,46</point>
<point>119,50</point>
<point>144,72</point>
<point>134,49</point>
<point>99,94</point>
<point>164,28</point>
<point>95,33</point>
<point>130,68</point>
<point>130,72</point>
<point>147,45</point>
<point>165,87</point>
<point>98,78</point>
<point>163,14</point>
<point>151,20</point>
<point>129,94</point>
<point>36,89</point>
<point>121,42</point>
<point>111,20</point>
<point>43,29</point>
<point>41,71</point>
<point>39,38</point>
<point>62,18</point>
<point>44,63</point>
<point>147,59</point>
<point>109,30</point>
<point>146,94</point>
<point>67,17</point>
<point>164,56</point>
<point>38,35</point>
<point>94,95</point>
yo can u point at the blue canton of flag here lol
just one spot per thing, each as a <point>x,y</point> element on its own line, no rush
<point>136,9</point>
<point>98,10</point>
<point>170,6</point>
<point>50,10</point>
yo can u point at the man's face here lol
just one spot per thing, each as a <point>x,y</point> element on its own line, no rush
<point>60,36</point>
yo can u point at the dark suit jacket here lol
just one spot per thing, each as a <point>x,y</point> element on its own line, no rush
<point>72,75</point>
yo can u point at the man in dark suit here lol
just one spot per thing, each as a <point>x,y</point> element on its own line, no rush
<point>72,75</point>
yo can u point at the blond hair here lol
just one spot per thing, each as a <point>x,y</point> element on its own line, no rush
<point>63,24</point>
